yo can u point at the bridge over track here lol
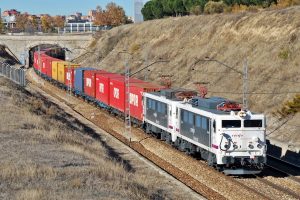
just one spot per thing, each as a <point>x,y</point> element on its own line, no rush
<point>21,45</point>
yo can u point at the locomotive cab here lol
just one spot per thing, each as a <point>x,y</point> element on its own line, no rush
<point>239,142</point>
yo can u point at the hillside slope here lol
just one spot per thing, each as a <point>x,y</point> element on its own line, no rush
<point>270,40</point>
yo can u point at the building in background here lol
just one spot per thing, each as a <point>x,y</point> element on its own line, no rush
<point>138,5</point>
<point>9,18</point>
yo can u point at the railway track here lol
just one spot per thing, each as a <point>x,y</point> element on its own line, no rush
<point>175,172</point>
<point>279,180</point>
<point>196,175</point>
<point>288,169</point>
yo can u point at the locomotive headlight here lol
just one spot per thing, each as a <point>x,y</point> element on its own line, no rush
<point>226,146</point>
<point>242,114</point>
<point>259,146</point>
<point>250,145</point>
<point>235,146</point>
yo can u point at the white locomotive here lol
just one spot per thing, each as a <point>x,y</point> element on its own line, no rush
<point>230,140</point>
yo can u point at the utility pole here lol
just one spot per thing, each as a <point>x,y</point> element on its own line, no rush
<point>69,91</point>
<point>127,101</point>
<point>244,73</point>
<point>39,63</point>
<point>245,85</point>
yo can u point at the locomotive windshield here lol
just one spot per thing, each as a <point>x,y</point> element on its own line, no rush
<point>231,123</point>
<point>253,123</point>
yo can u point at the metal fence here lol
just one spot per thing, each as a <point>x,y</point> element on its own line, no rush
<point>17,75</point>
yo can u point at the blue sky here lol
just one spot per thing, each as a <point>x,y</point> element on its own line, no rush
<point>62,7</point>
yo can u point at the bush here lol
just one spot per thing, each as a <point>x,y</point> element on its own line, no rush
<point>290,107</point>
<point>214,7</point>
<point>284,54</point>
<point>196,10</point>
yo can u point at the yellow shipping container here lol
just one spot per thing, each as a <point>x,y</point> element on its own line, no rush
<point>61,70</point>
<point>54,69</point>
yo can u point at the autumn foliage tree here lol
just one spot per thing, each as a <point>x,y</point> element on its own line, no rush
<point>114,15</point>
<point>59,21</point>
<point>22,21</point>
<point>1,25</point>
<point>101,18</point>
<point>47,23</point>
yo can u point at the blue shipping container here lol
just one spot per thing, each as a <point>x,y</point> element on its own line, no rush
<point>78,79</point>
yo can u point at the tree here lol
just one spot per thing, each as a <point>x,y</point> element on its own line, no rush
<point>189,4</point>
<point>202,4</point>
<point>116,14</point>
<point>168,7</point>
<point>59,21</point>
<point>98,9</point>
<point>35,23</point>
<point>101,18</point>
<point>47,23</point>
<point>179,7</point>
<point>22,21</point>
<point>147,11</point>
<point>1,25</point>
<point>157,9</point>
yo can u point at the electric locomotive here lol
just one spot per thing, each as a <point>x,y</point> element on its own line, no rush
<point>231,140</point>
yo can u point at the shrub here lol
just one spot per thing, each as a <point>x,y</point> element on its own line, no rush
<point>196,10</point>
<point>214,7</point>
<point>284,54</point>
<point>290,107</point>
<point>134,48</point>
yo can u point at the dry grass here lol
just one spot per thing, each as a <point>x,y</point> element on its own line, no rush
<point>46,151</point>
<point>76,183</point>
<point>14,172</point>
<point>31,194</point>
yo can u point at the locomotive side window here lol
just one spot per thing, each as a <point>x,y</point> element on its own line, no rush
<point>185,116</point>
<point>204,123</point>
<point>163,108</point>
<point>208,125</point>
<point>153,104</point>
<point>198,121</point>
<point>159,107</point>
<point>231,123</point>
<point>253,123</point>
<point>176,113</point>
<point>214,126</point>
<point>191,118</point>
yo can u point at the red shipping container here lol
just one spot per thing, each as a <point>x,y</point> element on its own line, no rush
<point>102,86</point>
<point>36,59</point>
<point>136,97</point>
<point>69,77</point>
<point>137,88</point>
<point>46,64</point>
<point>89,86</point>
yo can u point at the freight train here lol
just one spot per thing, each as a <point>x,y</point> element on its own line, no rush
<point>228,138</point>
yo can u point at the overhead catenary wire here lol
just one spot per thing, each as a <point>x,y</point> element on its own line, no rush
<point>256,93</point>
<point>252,80</point>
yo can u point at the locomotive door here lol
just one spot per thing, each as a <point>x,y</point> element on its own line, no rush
<point>213,135</point>
<point>170,121</point>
